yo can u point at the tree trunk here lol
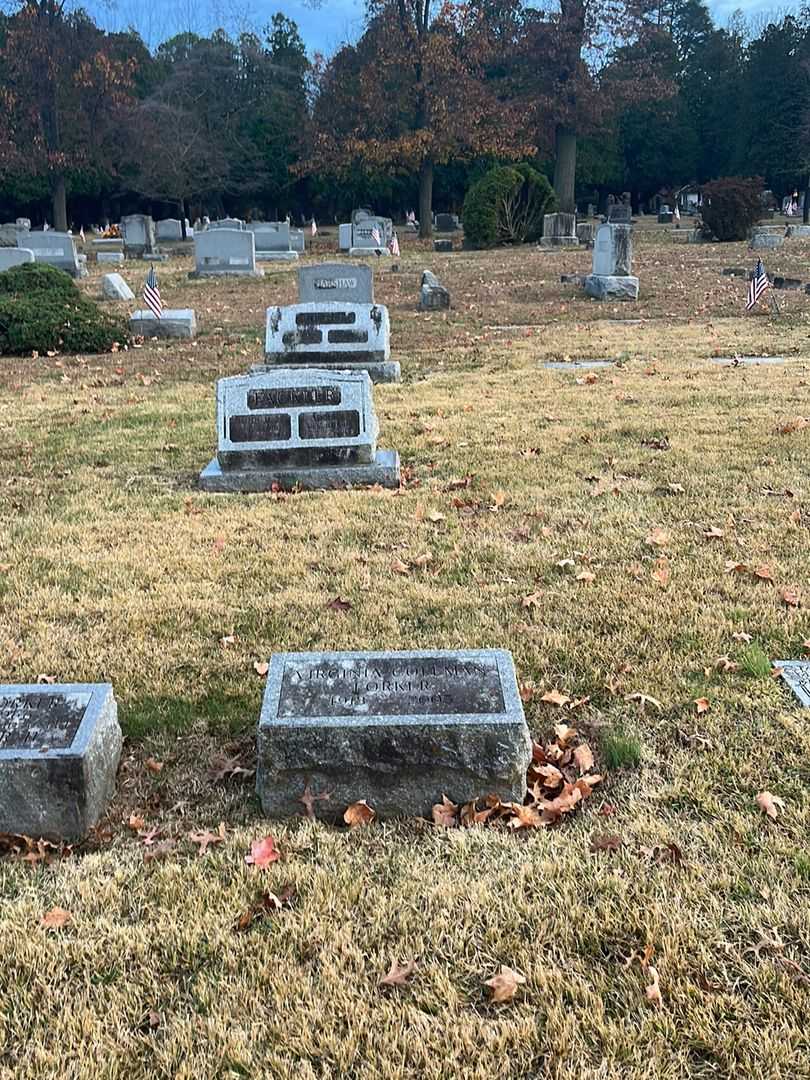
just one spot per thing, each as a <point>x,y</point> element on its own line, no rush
<point>806,210</point>
<point>565,167</point>
<point>59,200</point>
<point>426,199</point>
<point>182,204</point>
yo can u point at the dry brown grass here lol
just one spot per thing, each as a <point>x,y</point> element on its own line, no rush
<point>115,567</point>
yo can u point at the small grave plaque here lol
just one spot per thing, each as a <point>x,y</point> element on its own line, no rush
<point>59,750</point>
<point>796,674</point>
<point>398,729</point>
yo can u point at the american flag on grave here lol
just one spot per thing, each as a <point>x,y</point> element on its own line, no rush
<point>757,285</point>
<point>375,236</point>
<point>151,294</point>
<point>393,246</point>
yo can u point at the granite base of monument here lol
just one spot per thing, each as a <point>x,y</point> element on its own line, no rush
<point>366,251</point>
<point>173,323</point>
<point>611,287</point>
<point>384,471</point>
<point>59,751</point>
<point>276,256</point>
<point>380,371</point>
<point>398,729</point>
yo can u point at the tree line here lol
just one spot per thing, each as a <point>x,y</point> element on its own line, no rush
<point>602,95</point>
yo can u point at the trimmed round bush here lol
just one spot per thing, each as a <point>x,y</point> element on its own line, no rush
<point>506,206</point>
<point>42,310</point>
<point>732,205</point>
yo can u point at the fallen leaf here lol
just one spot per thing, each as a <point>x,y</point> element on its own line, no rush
<point>806,646</point>
<point>504,985</point>
<point>399,567</point>
<point>358,814</point>
<point>261,667</point>
<point>532,600</point>
<point>713,533</point>
<point>136,822</point>
<point>339,604</point>
<point>763,573</point>
<point>263,853</point>
<point>606,842</point>
<point>653,991</point>
<point>770,804</point>
<point>701,705</point>
<point>153,766</point>
<point>555,697</point>
<point>733,567</point>
<point>56,918</point>
<point>206,838</point>
<point>586,576</point>
<point>398,975</point>
<point>658,538</point>
<point>790,597</point>
<point>223,767</point>
<point>583,756</point>
<point>435,516</point>
<point>661,572</point>
<point>500,499</point>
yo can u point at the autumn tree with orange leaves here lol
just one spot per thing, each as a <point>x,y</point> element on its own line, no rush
<point>63,94</point>
<point>412,94</point>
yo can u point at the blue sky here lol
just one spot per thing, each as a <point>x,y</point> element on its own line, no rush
<point>323,28</point>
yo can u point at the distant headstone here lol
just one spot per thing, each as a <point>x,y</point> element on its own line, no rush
<point>398,729</point>
<point>273,241</point>
<point>55,249</point>
<point>225,253</point>
<point>585,233</point>
<point>796,674</point>
<point>332,335</point>
<point>59,751</point>
<point>344,237</point>
<point>762,241</point>
<point>227,223</point>
<point>363,241</point>
<point>432,295</point>
<point>447,223</point>
<point>289,428</point>
<point>173,323</point>
<point>363,213</point>
<point>112,258</point>
<point>798,232</point>
<point>620,213</point>
<point>443,246</point>
<point>15,257</point>
<point>23,223</point>
<point>298,240</point>
<point>664,215</point>
<point>611,276</point>
<point>113,287</point>
<point>138,235</point>
<point>352,282</point>
<point>559,230</point>
<point>171,230</point>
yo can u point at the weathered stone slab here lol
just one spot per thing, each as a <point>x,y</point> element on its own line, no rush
<point>225,253</point>
<point>332,335</point>
<point>620,214</point>
<point>796,674</point>
<point>344,236</point>
<point>138,235</point>
<point>273,241</point>
<point>447,223</point>
<point>780,282</point>
<point>59,751</point>
<point>113,287</point>
<point>736,271</point>
<point>174,323</point>
<point>227,223</point>
<point>566,365</point>
<point>398,729</point>
<point>559,230</point>
<point>112,258</point>
<point>611,287</point>
<point>433,296</point>
<point>613,251</point>
<point>171,230</point>
<point>798,232</point>
<point>744,361</point>
<point>336,282</point>
<point>443,245</point>
<point>383,471</point>
<point>54,248</point>
<point>762,241</point>
<point>585,233</point>
<point>15,257</point>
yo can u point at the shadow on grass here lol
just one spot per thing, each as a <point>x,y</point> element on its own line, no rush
<point>224,713</point>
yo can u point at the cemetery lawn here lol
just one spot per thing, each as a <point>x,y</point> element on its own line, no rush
<point>634,530</point>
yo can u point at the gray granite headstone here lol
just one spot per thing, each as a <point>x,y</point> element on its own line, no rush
<point>559,230</point>
<point>173,323</point>
<point>312,429</point>
<point>54,248</point>
<point>363,241</point>
<point>227,223</point>
<point>15,257</point>
<point>138,235</point>
<point>225,253</point>
<point>620,214</point>
<point>331,334</point>
<point>796,674</point>
<point>433,296</point>
<point>113,287</point>
<point>398,729</point>
<point>612,277</point>
<point>59,751</point>
<point>344,236</point>
<point>447,223</point>
<point>273,241</point>
<point>353,282</point>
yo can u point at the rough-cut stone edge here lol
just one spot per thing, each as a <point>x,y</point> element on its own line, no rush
<point>559,241</point>
<point>174,323</point>
<point>384,470</point>
<point>91,761</point>
<point>226,272</point>
<point>280,793</point>
<point>276,256</point>
<point>613,286</point>
<point>363,251</point>
<point>787,666</point>
<point>381,371</point>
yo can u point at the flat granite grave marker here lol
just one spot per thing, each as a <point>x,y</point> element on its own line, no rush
<point>59,751</point>
<point>331,335</point>
<point>398,729</point>
<point>294,428</point>
<point>352,282</point>
<point>796,674</point>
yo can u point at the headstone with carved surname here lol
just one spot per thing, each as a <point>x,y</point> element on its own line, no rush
<point>290,428</point>
<point>398,729</point>
<point>352,282</point>
<point>55,249</point>
<point>225,253</point>
<point>59,751</point>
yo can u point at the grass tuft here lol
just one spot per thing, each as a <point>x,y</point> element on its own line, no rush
<point>621,749</point>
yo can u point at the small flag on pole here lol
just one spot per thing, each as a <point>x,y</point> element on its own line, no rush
<point>757,285</point>
<point>393,246</point>
<point>375,236</point>
<point>676,213</point>
<point>314,228</point>
<point>411,217</point>
<point>151,294</point>
<point>81,233</point>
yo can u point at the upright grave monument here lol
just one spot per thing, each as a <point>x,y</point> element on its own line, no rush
<point>59,751</point>
<point>559,230</point>
<point>225,253</point>
<point>343,282</point>
<point>611,277</point>
<point>398,729</point>
<point>138,235</point>
<point>227,223</point>
<point>285,429</point>
<point>10,256</point>
<point>54,248</point>
<point>273,241</point>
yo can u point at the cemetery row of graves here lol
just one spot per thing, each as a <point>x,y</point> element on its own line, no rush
<point>473,521</point>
